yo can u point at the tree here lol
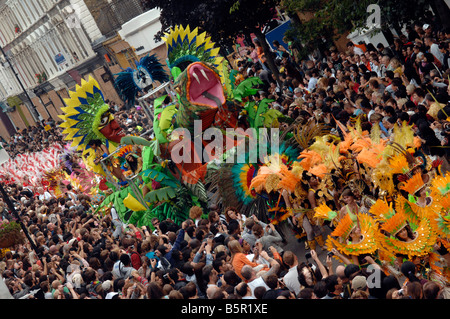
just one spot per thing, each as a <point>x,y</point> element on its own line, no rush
<point>333,18</point>
<point>251,16</point>
<point>222,19</point>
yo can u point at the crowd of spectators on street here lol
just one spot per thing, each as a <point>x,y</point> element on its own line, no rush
<point>407,81</point>
<point>226,255</point>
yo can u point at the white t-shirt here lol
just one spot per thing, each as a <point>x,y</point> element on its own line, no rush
<point>312,84</point>
<point>434,49</point>
<point>45,196</point>
<point>291,280</point>
<point>72,196</point>
<point>258,282</point>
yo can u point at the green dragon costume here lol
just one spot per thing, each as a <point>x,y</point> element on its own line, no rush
<point>205,93</point>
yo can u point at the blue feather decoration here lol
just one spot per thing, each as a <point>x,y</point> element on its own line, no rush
<point>130,81</point>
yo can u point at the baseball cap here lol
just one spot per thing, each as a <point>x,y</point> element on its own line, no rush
<point>107,284</point>
<point>425,26</point>
<point>77,280</point>
<point>359,283</point>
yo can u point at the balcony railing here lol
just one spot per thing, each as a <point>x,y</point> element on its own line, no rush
<point>111,16</point>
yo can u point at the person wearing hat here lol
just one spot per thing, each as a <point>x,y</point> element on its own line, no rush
<point>359,283</point>
<point>107,286</point>
<point>428,29</point>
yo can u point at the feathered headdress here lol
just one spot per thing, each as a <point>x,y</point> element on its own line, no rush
<point>440,218</point>
<point>414,184</point>
<point>382,210</point>
<point>399,164</point>
<point>440,190</point>
<point>421,245</point>
<point>395,221</point>
<point>339,238</point>
<point>324,212</point>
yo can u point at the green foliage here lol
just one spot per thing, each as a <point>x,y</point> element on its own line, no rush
<point>160,194</point>
<point>246,88</point>
<point>160,177</point>
<point>116,199</point>
<point>178,208</point>
<point>333,18</point>
<point>142,218</point>
<point>134,140</point>
<point>198,190</point>
<point>222,19</point>
<point>260,115</point>
<point>183,203</point>
<point>270,116</point>
<point>263,107</point>
<point>234,7</point>
<point>8,227</point>
<point>163,121</point>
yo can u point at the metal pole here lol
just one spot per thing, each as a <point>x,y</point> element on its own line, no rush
<point>146,108</point>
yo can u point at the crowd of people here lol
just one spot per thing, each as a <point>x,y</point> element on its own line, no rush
<point>81,255</point>
<point>34,138</point>
<point>223,254</point>
<point>407,81</point>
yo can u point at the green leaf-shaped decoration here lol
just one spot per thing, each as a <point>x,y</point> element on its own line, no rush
<point>161,194</point>
<point>246,88</point>
<point>160,177</point>
<point>135,140</point>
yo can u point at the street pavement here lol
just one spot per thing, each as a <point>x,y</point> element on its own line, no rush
<point>298,247</point>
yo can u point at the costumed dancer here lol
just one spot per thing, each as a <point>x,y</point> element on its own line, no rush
<point>401,239</point>
<point>112,164</point>
<point>353,240</point>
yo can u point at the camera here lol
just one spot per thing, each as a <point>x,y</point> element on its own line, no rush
<point>330,254</point>
<point>308,255</point>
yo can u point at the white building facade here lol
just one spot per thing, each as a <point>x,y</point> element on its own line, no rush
<point>43,39</point>
<point>47,47</point>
